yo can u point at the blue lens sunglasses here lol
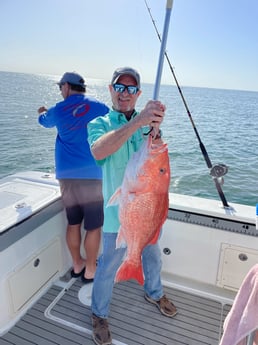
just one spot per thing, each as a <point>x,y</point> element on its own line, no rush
<point>131,89</point>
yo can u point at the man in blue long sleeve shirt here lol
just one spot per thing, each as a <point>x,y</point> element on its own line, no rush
<point>79,177</point>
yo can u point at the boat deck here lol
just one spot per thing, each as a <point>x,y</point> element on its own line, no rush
<point>59,317</point>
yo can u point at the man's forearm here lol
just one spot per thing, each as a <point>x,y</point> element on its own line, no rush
<point>110,142</point>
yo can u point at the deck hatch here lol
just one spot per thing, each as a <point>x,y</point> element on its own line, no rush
<point>21,198</point>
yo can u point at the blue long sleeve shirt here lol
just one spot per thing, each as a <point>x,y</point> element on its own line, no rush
<point>73,158</point>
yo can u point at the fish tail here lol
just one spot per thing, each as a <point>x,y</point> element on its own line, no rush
<point>130,271</point>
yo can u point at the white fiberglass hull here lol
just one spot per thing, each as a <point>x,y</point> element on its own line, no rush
<point>206,249</point>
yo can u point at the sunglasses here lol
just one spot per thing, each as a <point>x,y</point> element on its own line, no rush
<point>131,89</point>
<point>60,86</point>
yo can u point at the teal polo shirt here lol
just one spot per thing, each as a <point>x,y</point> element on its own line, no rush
<point>113,166</point>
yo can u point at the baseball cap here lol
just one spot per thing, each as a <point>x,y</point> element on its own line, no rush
<point>72,78</point>
<point>126,70</point>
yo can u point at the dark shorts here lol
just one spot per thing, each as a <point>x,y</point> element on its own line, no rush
<point>83,200</point>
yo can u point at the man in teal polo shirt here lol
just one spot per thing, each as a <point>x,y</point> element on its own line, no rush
<point>113,138</point>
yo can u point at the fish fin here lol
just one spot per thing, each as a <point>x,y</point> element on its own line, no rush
<point>114,199</point>
<point>120,240</point>
<point>127,271</point>
<point>155,237</point>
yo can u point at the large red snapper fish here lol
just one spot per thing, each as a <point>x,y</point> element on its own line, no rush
<point>143,205</point>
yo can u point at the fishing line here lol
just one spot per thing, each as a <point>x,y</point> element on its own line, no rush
<point>216,171</point>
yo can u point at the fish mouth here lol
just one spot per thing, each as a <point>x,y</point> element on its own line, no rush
<point>156,148</point>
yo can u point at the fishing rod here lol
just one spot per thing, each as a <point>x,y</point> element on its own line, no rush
<point>162,49</point>
<point>216,171</point>
<point>161,56</point>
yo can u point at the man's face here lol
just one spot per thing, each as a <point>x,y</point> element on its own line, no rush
<point>124,102</point>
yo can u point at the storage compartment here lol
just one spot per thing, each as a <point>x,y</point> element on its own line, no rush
<point>19,199</point>
<point>235,263</point>
<point>29,278</point>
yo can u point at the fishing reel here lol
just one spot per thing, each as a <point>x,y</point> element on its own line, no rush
<point>218,171</point>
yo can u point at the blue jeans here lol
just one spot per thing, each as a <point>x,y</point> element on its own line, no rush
<point>108,264</point>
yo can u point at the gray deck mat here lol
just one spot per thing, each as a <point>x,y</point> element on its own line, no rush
<point>133,321</point>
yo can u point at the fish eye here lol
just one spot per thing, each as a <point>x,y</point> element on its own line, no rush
<point>162,170</point>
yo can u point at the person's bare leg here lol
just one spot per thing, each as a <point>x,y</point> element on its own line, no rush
<point>91,245</point>
<point>73,239</point>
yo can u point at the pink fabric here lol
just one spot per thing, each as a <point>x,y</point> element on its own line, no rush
<point>243,316</point>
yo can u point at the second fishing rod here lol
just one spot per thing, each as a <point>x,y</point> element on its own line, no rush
<point>216,171</point>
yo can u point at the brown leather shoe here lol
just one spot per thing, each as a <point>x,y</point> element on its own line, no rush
<point>165,306</point>
<point>100,331</point>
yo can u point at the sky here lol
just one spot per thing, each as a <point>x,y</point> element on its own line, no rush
<point>210,43</point>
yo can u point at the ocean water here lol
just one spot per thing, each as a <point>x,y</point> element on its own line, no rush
<point>225,120</point>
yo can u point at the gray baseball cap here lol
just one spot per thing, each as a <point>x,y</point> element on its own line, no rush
<point>128,71</point>
<point>72,78</point>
